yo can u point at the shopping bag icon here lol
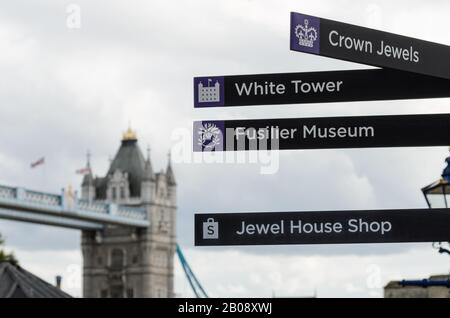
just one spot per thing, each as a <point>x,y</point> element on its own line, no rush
<point>210,229</point>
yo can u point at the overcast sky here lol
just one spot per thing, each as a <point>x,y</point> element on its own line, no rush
<point>64,91</point>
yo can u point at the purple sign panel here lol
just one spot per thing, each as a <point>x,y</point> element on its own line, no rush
<point>209,136</point>
<point>305,33</point>
<point>354,43</point>
<point>209,91</point>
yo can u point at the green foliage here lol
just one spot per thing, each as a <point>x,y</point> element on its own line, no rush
<point>7,257</point>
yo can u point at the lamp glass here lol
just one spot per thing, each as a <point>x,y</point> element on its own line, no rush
<point>437,201</point>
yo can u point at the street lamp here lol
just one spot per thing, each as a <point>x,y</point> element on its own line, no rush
<point>437,194</point>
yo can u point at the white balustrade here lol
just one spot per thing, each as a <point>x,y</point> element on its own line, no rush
<point>48,199</point>
<point>132,213</point>
<point>92,206</point>
<point>42,198</point>
<point>7,192</point>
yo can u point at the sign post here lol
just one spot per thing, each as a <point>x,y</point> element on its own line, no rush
<point>411,69</point>
<point>322,133</point>
<point>329,227</point>
<point>353,43</point>
<point>316,87</point>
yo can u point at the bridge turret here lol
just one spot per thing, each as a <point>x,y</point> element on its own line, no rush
<point>148,181</point>
<point>88,185</point>
<point>171,183</point>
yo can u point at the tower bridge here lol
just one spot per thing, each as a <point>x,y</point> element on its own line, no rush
<point>127,220</point>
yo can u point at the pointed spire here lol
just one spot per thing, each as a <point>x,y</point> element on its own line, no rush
<point>148,170</point>
<point>88,179</point>
<point>169,172</point>
<point>88,159</point>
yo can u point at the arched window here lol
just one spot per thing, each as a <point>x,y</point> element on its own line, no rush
<point>117,259</point>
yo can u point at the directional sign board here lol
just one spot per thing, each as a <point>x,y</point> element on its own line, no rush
<point>322,133</point>
<point>316,87</point>
<point>367,46</point>
<point>330,227</point>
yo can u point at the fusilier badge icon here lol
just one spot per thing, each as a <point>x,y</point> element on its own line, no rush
<point>208,136</point>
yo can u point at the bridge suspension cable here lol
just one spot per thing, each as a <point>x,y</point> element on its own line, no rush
<point>197,288</point>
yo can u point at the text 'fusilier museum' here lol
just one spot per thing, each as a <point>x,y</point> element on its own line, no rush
<point>122,261</point>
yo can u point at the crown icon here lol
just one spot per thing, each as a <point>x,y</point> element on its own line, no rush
<point>306,35</point>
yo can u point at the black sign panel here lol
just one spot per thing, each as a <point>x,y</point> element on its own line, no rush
<point>330,227</point>
<point>322,133</point>
<point>319,87</point>
<point>363,45</point>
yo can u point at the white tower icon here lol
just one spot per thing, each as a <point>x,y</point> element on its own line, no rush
<point>209,93</point>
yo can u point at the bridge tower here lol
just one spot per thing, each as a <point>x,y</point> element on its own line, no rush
<point>122,261</point>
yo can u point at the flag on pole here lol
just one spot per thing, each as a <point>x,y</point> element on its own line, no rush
<point>83,171</point>
<point>39,162</point>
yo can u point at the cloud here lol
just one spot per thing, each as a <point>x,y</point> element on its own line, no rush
<point>298,275</point>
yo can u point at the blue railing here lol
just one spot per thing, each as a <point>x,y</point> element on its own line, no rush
<point>67,205</point>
